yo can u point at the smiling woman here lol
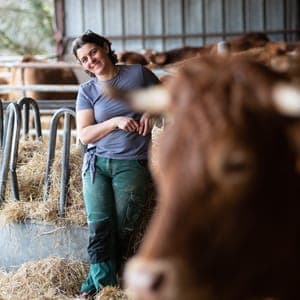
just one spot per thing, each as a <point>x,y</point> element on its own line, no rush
<point>91,54</point>
<point>116,178</point>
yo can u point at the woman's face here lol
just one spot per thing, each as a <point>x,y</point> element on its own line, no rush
<point>94,58</point>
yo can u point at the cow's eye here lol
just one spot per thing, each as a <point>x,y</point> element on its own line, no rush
<point>230,163</point>
<point>237,162</point>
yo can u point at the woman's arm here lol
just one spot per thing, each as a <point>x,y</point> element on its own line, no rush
<point>90,132</point>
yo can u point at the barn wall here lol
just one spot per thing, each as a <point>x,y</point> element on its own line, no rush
<point>167,24</point>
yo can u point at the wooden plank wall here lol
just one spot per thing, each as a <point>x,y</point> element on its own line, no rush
<point>167,24</point>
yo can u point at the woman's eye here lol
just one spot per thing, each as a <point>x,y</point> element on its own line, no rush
<point>84,60</point>
<point>94,51</point>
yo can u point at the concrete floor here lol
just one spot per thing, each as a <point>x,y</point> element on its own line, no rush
<point>29,241</point>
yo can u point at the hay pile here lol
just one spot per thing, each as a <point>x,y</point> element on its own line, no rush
<point>31,169</point>
<point>51,279</point>
<point>112,293</point>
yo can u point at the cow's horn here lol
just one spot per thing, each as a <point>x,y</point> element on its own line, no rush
<point>287,99</point>
<point>154,99</point>
<point>223,48</point>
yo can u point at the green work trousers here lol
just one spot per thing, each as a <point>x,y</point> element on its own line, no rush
<point>114,200</point>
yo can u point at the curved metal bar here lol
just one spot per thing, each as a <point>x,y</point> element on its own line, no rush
<point>14,152</point>
<point>28,103</point>
<point>65,170</point>
<point>10,150</point>
<point>1,124</point>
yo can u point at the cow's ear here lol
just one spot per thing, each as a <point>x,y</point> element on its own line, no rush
<point>286,99</point>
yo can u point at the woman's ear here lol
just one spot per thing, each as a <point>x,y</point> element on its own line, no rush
<point>106,48</point>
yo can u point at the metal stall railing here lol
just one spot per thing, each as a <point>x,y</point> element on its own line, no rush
<point>25,105</point>
<point>11,134</point>
<point>65,168</point>
<point>10,150</point>
<point>11,137</point>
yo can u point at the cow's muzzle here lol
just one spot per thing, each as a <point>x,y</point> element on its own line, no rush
<point>147,280</point>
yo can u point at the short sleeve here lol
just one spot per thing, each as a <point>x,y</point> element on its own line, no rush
<point>149,77</point>
<point>82,100</point>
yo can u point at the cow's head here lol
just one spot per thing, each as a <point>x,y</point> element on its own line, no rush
<point>227,224</point>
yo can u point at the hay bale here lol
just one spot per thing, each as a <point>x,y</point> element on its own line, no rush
<point>51,278</point>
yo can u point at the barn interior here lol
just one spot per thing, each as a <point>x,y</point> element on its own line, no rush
<point>42,217</point>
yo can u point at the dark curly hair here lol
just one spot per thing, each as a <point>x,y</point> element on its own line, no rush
<point>92,37</point>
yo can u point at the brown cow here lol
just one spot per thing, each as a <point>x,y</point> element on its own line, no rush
<point>248,41</point>
<point>227,225</point>
<point>43,76</point>
<point>236,44</point>
<point>4,95</point>
<point>178,54</point>
<point>131,57</point>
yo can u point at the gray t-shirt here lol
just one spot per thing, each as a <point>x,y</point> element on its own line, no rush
<point>118,144</point>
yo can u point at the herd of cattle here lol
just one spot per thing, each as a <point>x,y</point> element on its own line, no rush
<point>280,55</point>
<point>227,223</point>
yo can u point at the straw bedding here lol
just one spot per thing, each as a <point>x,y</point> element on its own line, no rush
<point>50,279</point>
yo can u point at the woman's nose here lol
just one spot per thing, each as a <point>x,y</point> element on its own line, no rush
<point>91,59</point>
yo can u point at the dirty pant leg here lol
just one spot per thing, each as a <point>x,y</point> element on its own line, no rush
<point>132,183</point>
<point>98,199</point>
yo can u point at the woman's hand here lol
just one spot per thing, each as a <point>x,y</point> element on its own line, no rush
<point>126,124</point>
<point>146,124</point>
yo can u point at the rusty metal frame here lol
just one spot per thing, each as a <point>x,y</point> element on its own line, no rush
<point>59,6</point>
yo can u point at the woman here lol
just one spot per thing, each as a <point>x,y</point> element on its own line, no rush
<point>116,178</point>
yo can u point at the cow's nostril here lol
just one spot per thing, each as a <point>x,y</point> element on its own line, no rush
<point>157,282</point>
<point>149,279</point>
<point>144,279</point>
